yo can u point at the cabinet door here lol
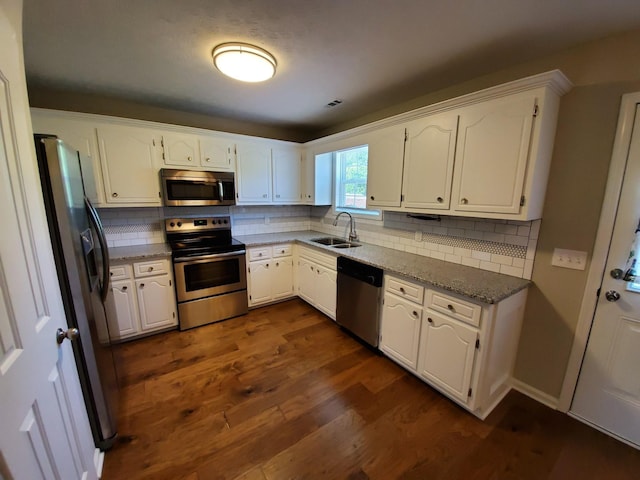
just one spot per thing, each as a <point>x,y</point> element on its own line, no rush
<point>447,352</point>
<point>400,330</point>
<point>384,172</point>
<point>287,174</point>
<point>156,302</point>
<point>254,173</point>
<point>306,280</point>
<point>282,278</point>
<point>428,162</point>
<point>129,165</point>
<point>124,295</point>
<point>82,137</point>
<point>492,154</point>
<point>259,282</point>
<point>217,153</point>
<point>326,291</point>
<point>180,150</point>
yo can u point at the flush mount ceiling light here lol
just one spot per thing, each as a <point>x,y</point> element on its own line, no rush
<point>244,62</point>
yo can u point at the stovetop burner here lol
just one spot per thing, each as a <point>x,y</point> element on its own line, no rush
<point>191,237</point>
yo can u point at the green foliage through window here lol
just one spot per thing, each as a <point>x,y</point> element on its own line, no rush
<point>351,179</point>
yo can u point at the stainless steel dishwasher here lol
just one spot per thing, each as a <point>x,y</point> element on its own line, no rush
<point>359,297</point>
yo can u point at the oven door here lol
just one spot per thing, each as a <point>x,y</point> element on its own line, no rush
<point>208,275</point>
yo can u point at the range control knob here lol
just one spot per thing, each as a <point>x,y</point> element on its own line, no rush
<point>226,221</point>
<point>172,224</point>
<point>179,224</point>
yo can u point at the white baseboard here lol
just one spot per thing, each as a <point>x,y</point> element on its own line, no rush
<point>537,395</point>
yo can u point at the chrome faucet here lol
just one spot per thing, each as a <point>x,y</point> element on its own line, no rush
<point>353,236</point>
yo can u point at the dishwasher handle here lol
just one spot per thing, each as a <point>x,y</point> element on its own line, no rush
<point>360,271</point>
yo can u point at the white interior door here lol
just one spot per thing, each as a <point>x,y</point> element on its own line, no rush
<point>44,429</point>
<point>608,391</point>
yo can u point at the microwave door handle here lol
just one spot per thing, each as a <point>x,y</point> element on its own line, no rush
<point>221,190</point>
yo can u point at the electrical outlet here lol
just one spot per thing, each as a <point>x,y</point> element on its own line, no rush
<point>418,236</point>
<point>574,259</point>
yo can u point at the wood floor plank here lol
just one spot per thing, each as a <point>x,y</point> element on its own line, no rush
<point>283,393</point>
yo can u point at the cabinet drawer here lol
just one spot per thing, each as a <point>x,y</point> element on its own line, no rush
<point>152,267</point>
<point>259,253</point>
<point>404,289</point>
<point>120,272</point>
<point>454,307</point>
<point>281,250</point>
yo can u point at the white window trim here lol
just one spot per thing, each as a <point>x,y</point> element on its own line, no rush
<point>368,213</point>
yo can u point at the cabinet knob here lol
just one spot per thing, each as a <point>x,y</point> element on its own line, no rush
<point>114,194</point>
<point>207,159</point>
<point>124,288</point>
<point>402,290</point>
<point>440,199</point>
<point>415,314</point>
<point>265,195</point>
<point>260,254</point>
<point>450,307</point>
<point>277,264</point>
<point>372,197</point>
<point>277,196</point>
<point>189,158</point>
<point>309,196</point>
<point>111,274</point>
<point>464,201</point>
<point>267,265</point>
<point>142,285</point>
<point>430,320</point>
<point>151,269</point>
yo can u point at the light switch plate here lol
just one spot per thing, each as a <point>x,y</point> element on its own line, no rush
<point>574,259</point>
<point>418,236</point>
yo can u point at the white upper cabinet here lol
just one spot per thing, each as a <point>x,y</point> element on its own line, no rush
<point>204,152</point>
<point>268,174</point>
<point>384,172</point>
<point>130,165</point>
<point>180,150</point>
<point>82,137</point>
<point>253,173</point>
<point>217,153</point>
<point>428,162</point>
<point>287,172</point>
<point>317,178</point>
<point>492,154</point>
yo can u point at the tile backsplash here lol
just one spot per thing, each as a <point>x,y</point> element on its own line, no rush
<point>497,245</point>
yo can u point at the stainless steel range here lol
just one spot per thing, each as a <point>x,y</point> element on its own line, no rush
<point>209,268</point>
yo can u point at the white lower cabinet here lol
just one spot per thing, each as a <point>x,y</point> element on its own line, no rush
<point>466,350</point>
<point>317,280</point>
<point>400,330</point>
<point>270,274</point>
<point>144,298</point>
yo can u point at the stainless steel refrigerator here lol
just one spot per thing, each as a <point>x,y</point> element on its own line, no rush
<point>82,263</point>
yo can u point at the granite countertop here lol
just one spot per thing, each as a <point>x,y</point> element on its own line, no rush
<point>481,285</point>
<point>136,252</point>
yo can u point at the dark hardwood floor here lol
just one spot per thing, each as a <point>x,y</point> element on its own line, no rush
<point>283,393</point>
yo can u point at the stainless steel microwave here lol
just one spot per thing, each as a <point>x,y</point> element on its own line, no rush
<point>193,188</point>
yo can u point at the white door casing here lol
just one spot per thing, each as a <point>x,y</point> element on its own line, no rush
<point>608,390</point>
<point>44,424</point>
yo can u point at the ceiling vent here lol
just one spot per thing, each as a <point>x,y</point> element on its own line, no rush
<point>333,103</point>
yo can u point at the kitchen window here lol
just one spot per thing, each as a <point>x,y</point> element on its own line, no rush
<point>351,181</point>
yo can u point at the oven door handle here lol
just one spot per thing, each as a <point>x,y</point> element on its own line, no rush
<point>209,257</point>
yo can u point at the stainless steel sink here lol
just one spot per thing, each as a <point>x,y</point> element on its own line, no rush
<point>335,242</point>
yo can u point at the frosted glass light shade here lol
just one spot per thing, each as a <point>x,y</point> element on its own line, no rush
<point>244,62</point>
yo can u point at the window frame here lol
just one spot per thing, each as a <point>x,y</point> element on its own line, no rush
<point>338,188</point>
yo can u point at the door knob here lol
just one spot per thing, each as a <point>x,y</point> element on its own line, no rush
<point>71,334</point>
<point>616,273</point>
<point>612,296</point>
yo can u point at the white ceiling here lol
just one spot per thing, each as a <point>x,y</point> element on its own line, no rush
<point>369,53</point>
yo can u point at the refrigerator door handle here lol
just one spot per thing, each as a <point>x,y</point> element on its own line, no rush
<point>95,220</point>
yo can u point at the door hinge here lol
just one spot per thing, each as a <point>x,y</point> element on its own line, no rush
<point>249,269</point>
<point>470,391</point>
<point>477,343</point>
<point>522,201</point>
<point>598,293</point>
<point>402,198</point>
<point>153,141</point>
<point>174,314</point>
<point>162,142</point>
<point>249,297</point>
<point>535,110</point>
<point>170,284</point>
<point>159,194</point>
<point>405,135</point>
